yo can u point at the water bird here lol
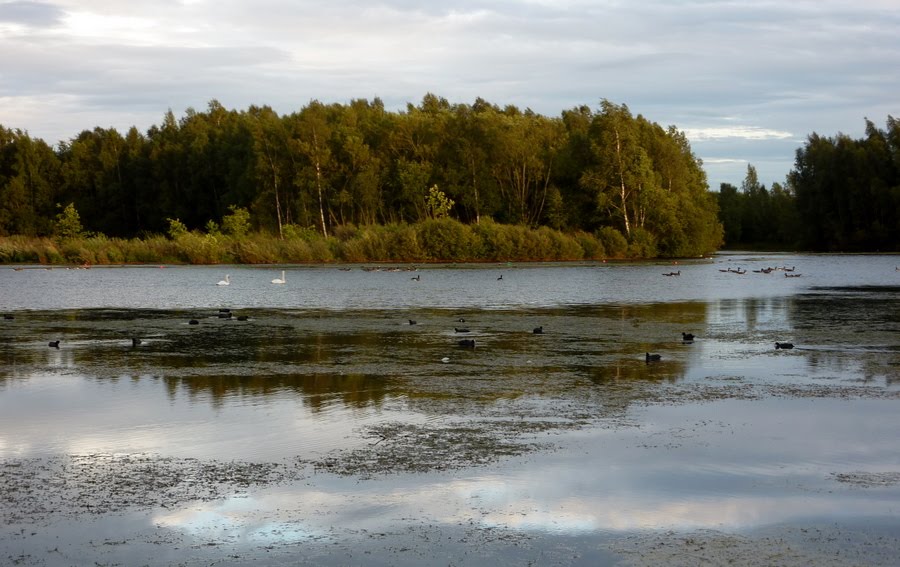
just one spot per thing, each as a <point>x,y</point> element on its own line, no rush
<point>417,277</point>
<point>445,360</point>
<point>225,310</point>
<point>135,341</point>
<point>461,329</point>
<point>678,273</point>
<point>538,330</point>
<point>687,337</point>
<point>461,320</point>
<point>500,278</point>
<point>193,322</point>
<point>280,280</point>
<point>467,343</point>
<point>53,344</point>
<point>8,317</point>
<point>225,315</point>
<point>652,357</point>
<point>412,322</point>
<point>242,318</point>
<point>226,281</point>
<point>784,346</point>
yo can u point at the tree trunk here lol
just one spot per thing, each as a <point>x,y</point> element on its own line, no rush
<point>622,191</point>
<point>319,184</point>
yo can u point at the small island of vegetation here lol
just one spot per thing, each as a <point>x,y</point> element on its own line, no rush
<point>437,182</point>
<point>356,182</point>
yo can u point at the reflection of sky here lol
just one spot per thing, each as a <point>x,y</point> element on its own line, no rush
<point>722,465</point>
<point>72,414</point>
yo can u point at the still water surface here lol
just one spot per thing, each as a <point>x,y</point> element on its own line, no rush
<point>724,433</point>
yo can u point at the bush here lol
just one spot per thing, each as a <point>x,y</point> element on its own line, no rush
<point>495,242</point>
<point>591,248</point>
<point>237,223</point>
<point>642,245</point>
<point>445,239</point>
<point>613,242</point>
<point>402,244</point>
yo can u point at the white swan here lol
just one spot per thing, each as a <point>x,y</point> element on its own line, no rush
<point>280,280</point>
<point>226,281</point>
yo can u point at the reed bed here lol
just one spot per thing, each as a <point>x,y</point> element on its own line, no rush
<point>433,240</point>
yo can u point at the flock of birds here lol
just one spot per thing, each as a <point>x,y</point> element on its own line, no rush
<point>686,338</point>
<point>278,281</point>
<point>741,271</point>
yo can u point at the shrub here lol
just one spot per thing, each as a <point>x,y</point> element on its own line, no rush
<point>445,239</point>
<point>643,244</point>
<point>237,223</point>
<point>591,248</point>
<point>613,242</point>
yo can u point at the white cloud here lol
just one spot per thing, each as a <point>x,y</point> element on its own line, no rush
<point>742,132</point>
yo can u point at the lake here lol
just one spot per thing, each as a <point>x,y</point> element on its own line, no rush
<point>337,419</point>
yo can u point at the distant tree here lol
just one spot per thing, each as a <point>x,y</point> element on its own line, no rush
<point>68,222</point>
<point>731,205</point>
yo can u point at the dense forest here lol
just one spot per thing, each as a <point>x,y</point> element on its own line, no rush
<point>842,195</point>
<point>327,167</point>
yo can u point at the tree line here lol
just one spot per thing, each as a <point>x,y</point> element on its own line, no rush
<point>841,195</point>
<point>328,166</point>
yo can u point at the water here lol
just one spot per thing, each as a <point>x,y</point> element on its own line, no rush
<point>372,424</point>
<point>449,287</point>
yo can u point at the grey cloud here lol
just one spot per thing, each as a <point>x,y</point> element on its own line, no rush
<point>32,14</point>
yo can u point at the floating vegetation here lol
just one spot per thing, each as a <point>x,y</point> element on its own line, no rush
<point>35,488</point>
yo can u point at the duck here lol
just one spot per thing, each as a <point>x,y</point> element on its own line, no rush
<point>412,321</point>
<point>500,278</point>
<point>652,357</point>
<point>416,278</point>
<point>53,344</point>
<point>461,329</point>
<point>193,322</point>
<point>135,341</point>
<point>242,318</point>
<point>784,346</point>
<point>467,343</point>
<point>538,330</point>
<point>687,337</point>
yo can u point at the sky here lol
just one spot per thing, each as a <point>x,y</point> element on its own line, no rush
<point>746,81</point>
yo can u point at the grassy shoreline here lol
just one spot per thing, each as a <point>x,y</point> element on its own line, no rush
<point>433,241</point>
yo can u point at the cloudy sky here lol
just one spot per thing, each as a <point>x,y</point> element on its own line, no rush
<point>747,81</point>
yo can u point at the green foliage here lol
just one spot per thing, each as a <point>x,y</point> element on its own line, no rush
<point>592,248</point>
<point>437,203</point>
<point>848,191</point>
<point>305,174</point>
<point>237,222</point>
<point>177,229</point>
<point>68,223</point>
<point>642,244</point>
<point>445,239</point>
<point>615,245</point>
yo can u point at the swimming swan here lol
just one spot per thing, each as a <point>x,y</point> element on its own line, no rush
<point>226,281</point>
<point>280,280</point>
